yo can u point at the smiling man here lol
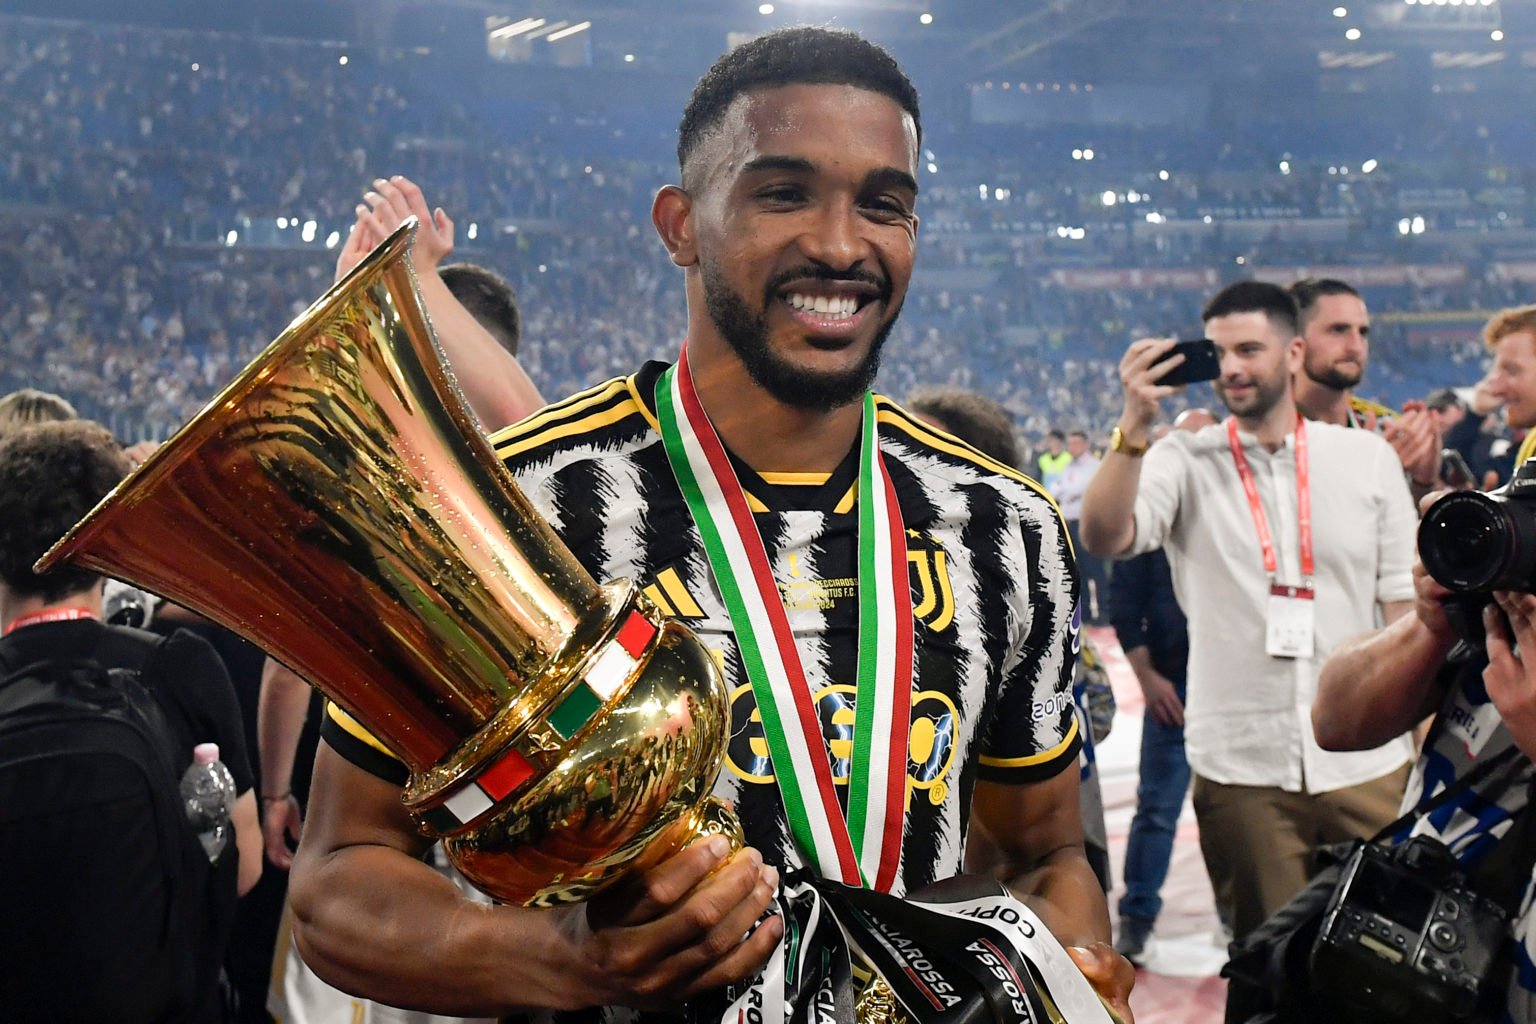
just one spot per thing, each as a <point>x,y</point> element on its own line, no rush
<point>795,228</point>
<point>1284,537</point>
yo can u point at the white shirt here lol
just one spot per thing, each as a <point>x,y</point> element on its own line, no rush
<point>1069,486</point>
<point>1248,717</point>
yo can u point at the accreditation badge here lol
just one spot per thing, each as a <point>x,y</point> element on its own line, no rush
<point>1291,625</point>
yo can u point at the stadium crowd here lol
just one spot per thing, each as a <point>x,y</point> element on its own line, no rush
<point>175,195</point>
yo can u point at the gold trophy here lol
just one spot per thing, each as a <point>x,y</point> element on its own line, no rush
<point>338,506</point>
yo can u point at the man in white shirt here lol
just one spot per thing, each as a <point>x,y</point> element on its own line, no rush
<point>1068,488</point>
<point>1284,538</point>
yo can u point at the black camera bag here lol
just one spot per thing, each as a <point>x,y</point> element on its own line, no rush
<point>1268,972</point>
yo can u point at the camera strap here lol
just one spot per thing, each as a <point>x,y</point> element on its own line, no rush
<point>1504,874</point>
<point>1504,759</point>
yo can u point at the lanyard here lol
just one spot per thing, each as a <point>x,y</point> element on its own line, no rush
<point>1303,500</point>
<point>865,847</point>
<point>48,615</point>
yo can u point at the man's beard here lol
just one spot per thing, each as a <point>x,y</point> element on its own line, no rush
<point>1266,394</point>
<point>747,334</point>
<point>1332,376</point>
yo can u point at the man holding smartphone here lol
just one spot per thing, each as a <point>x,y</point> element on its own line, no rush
<point>1283,537</point>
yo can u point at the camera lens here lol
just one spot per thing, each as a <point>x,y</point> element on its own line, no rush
<point>1465,541</point>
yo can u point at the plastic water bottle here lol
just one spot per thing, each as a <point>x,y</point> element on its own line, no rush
<point>208,790</point>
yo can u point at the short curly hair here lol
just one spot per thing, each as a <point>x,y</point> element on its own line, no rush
<point>51,475</point>
<point>803,55</point>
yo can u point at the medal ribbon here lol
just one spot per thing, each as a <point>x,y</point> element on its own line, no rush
<point>1303,500</point>
<point>864,849</point>
<point>48,615</point>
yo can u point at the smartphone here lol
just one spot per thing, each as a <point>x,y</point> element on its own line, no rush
<point>1454,470</point>
<point>1201,362</point>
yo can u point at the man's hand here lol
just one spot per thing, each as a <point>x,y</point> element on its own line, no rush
<point>1485,397</point>
<point>1161,697</point>
<point>1110,974</point>
<point>1415,436</point>
<point>1510,623</point>
<point>391,202</point>
<point>1142,366</point>
<point>680,929</point>
<point>281,820</point>
<point>381,211</point>
<point>1429,599</point>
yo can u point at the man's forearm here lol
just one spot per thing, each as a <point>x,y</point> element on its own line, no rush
<point>389,927</point>
<point>1140,659</point>
<point>495,384</point>
<point>1378,686</point>
<point>1063,890</point>
<point>281,709</point>
<point>1108,523</point>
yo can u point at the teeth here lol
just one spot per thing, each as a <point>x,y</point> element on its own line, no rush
<point>837,307</point>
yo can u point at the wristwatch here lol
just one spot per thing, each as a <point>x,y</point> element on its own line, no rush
<point>1118,443</point>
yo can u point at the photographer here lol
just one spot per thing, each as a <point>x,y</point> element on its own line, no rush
<point>1484,700</point>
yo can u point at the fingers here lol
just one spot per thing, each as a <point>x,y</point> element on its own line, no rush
<point>691,929</point>
<point>666,884</point>
<point>747,957</point>
<point>444,224</point>
<point>1498,641</point>
<point>1142,355</point>
<point>1110,974</point>
<point>716,903</point>
<point>275,826</point>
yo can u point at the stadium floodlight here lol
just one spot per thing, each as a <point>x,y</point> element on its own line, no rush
<point>1352,34</point>
<point>580,26</point>
<point>1341,12</point>
<point>1368,166</point>
<point>517,28</point>
<point>925,18</point>
<point>1497,35</point>
<point>331,239</point>
<point>765,8</point>
<point>1109,198</point>
<point>342,60</point>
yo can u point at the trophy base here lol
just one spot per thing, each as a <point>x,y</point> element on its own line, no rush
<point>601,791</point>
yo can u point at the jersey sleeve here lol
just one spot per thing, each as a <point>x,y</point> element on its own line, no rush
<point>359,747</point>
<point>1033,731</point>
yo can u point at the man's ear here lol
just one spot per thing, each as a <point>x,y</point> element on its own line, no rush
<point>1296,356</point>
<point>672,214</point>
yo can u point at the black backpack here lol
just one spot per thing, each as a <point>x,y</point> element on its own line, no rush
<point>108,909</point>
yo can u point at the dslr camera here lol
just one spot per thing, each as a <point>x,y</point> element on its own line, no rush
<point>1405,937</point>
<point>1473,543</point>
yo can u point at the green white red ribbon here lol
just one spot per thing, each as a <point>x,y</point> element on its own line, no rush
<point>865,848</point>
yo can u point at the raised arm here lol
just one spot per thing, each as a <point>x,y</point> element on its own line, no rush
<point>1108,523</point>
<point>498,389</point>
